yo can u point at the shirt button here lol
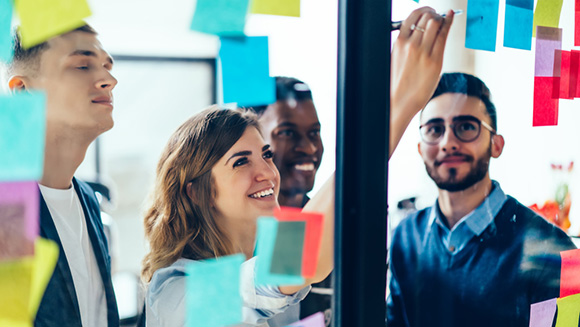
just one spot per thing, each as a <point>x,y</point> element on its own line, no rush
<point>451,248</point>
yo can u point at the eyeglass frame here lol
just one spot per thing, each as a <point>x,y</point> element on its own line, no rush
<point>452,126</point>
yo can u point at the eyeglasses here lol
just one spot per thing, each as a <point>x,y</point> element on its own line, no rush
<point>465,128</point>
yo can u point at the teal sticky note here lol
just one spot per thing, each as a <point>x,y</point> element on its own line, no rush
<point>481,30</point>
<point>6,51</point>
<point>22,130</point>
<point>267,233</point>
<point>288,248</point>
<point>220,17</point>
<point>213,292</point>
<point>246,71</point>
<point>518,29</point>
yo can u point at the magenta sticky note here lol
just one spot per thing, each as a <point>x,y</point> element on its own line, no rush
<point>19,216</point>
<point>542,313</point>
<point>315,320</point>
<point>548,40</point>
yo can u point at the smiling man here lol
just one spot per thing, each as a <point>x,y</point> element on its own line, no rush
<point>477,257</point>
<point>74,71</point>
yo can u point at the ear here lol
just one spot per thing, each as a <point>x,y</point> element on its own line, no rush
<point>497,143</point>
<point>17,83</point>
<point>191,192</point>
<point>419,149</point>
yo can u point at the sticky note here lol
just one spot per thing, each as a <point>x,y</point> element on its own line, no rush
<point>266,240</point>
<point>287,256</point>
<point>577,23</point>
<point>518,27</point>
<point>542,313</point>
<point>568,311</point>
<point>19,216</point>
<point>547,13</point>
<point>276,7</point>
<point>6,51</point>
<point>574,70</point>
<point>564,58</point>
<point>315,320</point>
<point>246,71</point>
<point>312,236</point>
<point>220,17</point>
<point>481,31</point>
<point>213,292</point>
<point>570,276</point>
<point>41,20</point>
<point>548,40</point>
<point>22,128</point>
<point>23,282</point>
<point>545,112</point>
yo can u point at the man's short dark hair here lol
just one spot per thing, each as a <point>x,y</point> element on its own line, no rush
<point>470,85</point>
<point>30,57</point>
<point>287,88</point>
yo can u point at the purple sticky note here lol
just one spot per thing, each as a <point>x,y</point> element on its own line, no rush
<point>542,313</point>
<point>316,320</point>
<point>19,214</point>
<point>548,40</point>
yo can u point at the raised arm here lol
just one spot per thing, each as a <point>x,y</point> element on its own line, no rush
<point>416,63</point>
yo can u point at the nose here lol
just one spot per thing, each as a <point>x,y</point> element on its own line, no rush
<point>108,81</point>
<point>306,145</point>
<point>266,171</point>
<point>449,143</point>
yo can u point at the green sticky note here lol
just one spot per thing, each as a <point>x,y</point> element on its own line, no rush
<point>287,257</point>
<point>220,17</point>
<point>267,233</point>
<point>41,20</point>
<point>547,13</point>
<point>6,50</point>
<point>276,7</point>
<point>213,292</point>
<point>22,129</point>
<point>568,311</point>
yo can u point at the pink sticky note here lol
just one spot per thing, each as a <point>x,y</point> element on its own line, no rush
<point>19,215</point>
<point>577,24</point>
<point>312,236</point>
<point>574,69</point>
<point>316,320</point>
<point>564,73</point>
<point>542,313</point>
<point>545,107</point>
<point>570,274</point>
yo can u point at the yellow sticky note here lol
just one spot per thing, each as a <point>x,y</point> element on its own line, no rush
<point>23,282</point>
<point>568,311</point>
<point>41,20</point>
<point>547,14</point>
<point>276,7</point>
<point>45,257</point>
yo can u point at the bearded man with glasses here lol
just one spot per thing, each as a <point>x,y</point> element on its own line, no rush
<point>477,257</point>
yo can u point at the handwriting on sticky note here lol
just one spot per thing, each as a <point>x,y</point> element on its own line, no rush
<point>22,127</point>
<point>276,7</point>
<point>213,292</point>
<point>481,30</point>
<point>246,71</point>
<point>220,17</point>
<point>41,20</point>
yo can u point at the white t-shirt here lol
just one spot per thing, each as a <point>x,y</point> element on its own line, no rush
<point>69,219</point>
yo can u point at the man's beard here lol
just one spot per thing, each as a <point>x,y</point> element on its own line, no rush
<point>452,184</point>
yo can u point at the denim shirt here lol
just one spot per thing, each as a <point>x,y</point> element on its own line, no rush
<point>473,224</point>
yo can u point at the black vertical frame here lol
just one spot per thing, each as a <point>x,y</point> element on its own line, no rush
<point>363,98</point>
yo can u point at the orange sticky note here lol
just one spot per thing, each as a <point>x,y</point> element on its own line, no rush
<point>570,275</point>
<point>312,235</point>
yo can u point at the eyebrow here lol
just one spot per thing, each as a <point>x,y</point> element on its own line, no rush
<point>289,124</point>
<point>456,118</point>
<point>89,53</point>
<point>245,153</point>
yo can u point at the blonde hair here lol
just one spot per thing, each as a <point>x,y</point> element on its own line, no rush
<point>176,224</point>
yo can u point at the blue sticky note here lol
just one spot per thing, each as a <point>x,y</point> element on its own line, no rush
<point>246,71</point>
<point>481,31</point>
<point>266,241</point>
<point>518,29</point>
<point>6,51</point>
<point>22,129</point>
<point>220,17</point>
<point>213,292</point>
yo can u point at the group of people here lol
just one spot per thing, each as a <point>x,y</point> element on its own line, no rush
<point>452,264</point>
